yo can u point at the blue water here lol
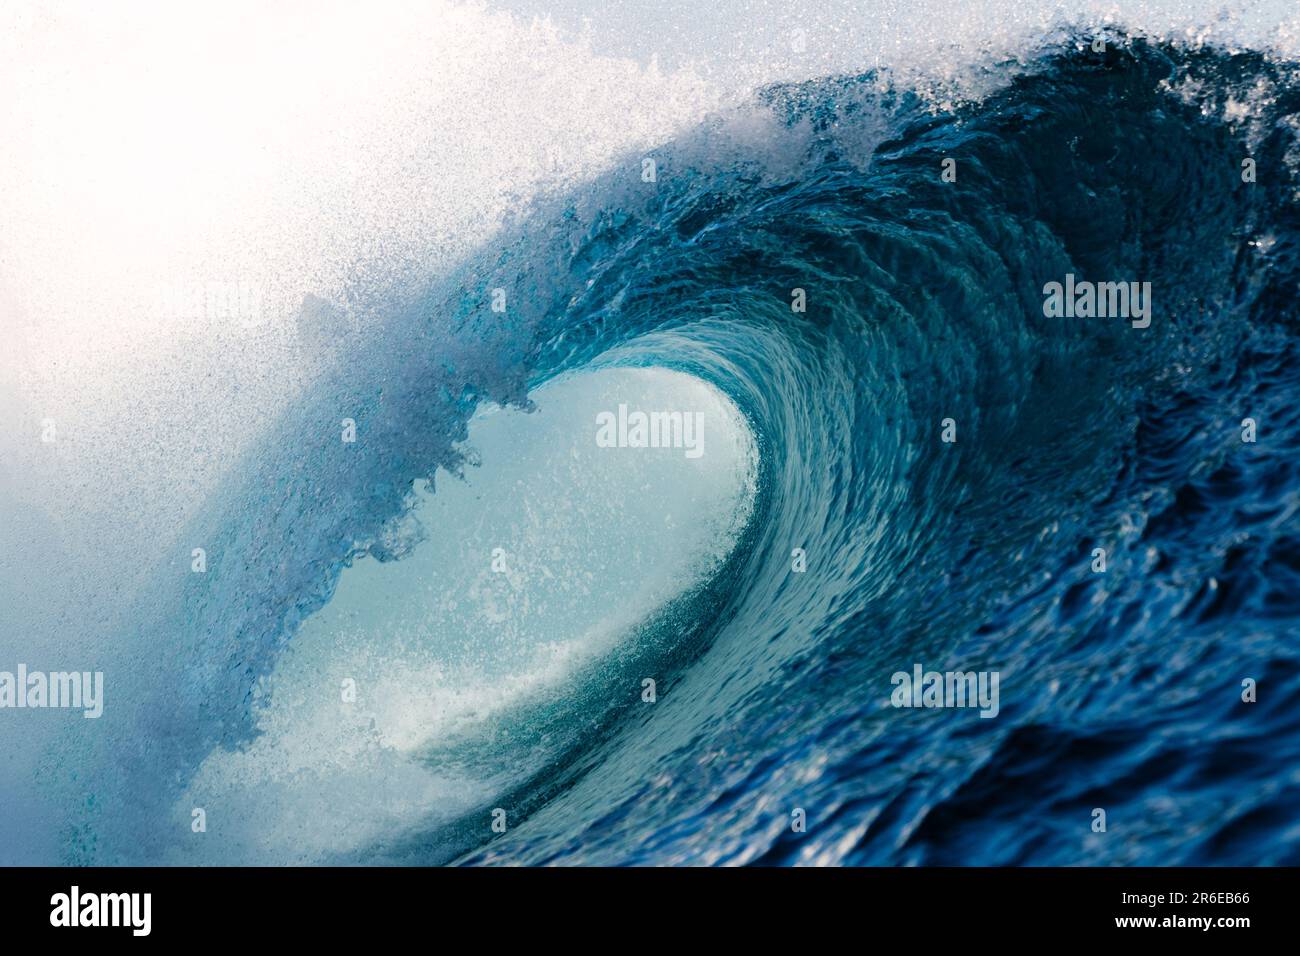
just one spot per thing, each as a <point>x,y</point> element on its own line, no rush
<point>1120,690</point>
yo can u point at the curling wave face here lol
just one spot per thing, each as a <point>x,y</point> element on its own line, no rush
<point>924,312</point>
<point>1120,690</point>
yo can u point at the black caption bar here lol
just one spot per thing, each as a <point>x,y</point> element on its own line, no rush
<point>333,905</point>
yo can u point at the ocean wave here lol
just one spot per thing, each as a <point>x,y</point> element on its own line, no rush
<point>803,258</point>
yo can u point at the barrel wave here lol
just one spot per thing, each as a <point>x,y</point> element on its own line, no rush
<point>805,258</point>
